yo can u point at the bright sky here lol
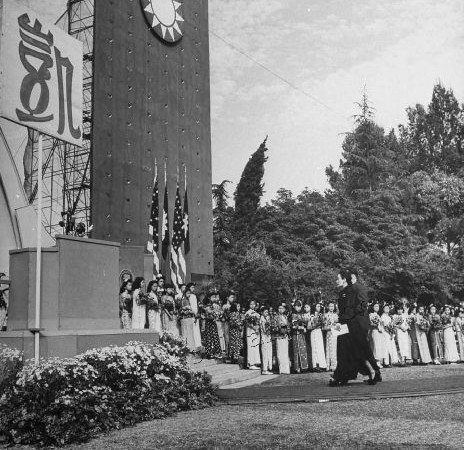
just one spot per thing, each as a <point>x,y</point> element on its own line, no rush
<point>328,50</point>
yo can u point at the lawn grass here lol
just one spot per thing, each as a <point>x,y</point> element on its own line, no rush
<point>430,422</point>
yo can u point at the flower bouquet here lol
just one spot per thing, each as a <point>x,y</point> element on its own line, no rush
<point>212,314</point>
<point>252,320</point>
<point>153,303</point>
<point>446,320</point>
<point>235,320</point>
<point>278,328</point>
<point>186,312</point>
<point>267,327</point>
<point>390,328</point>
<point>317,321</point>
<point>435,323</point>
<point>168,303</point>
<point>375,320</point>
<point>423,324</point>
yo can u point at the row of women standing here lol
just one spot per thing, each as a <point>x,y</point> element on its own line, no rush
<point>159,308</point>
<point>423,335</point>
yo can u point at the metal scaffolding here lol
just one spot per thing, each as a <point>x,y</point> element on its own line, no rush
<point>66,168</point>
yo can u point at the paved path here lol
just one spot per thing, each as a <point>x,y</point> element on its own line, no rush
<point>309,388</point>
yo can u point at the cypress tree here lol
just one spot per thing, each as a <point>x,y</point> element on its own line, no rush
<point>250,187</point>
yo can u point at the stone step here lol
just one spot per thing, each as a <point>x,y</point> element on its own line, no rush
<point>198,364</point>
<point>235,375</point>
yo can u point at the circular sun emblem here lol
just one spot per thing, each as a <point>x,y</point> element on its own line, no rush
<point>164,17</point>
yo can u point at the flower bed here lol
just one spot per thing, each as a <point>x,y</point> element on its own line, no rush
<point>60,401</point>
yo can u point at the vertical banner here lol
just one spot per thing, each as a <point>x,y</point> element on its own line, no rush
<point>40,75</point>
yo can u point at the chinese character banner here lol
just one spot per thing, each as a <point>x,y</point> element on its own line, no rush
<point>40,75</point>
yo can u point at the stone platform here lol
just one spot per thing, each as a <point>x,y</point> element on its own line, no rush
<point>69,343</point>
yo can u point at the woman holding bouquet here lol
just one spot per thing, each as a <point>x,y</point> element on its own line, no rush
<point>449,340</point>
<point>307,318</point>
<point>210,336</point>
<point>187,316</point>
<point>153,306</point>
<point>459,324</point>
<point>422,327</point>
<point>236,321</point>
<point>415,353</point>
<point>300,353</point>
<point>168,314</point>
<point>266,341</point>
<point>125,304</point>
<point>252,337</point>
<point>330,321</point>
<point>317,340</point>
<point>280,330</point>
<point>436,335</point>
<point>193,301</point>
<point>389,336</point>
<point>138,304</point>
<point>377,339</point>
<point>401,322</point>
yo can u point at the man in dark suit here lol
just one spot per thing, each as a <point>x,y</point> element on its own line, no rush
<point>360,323</point>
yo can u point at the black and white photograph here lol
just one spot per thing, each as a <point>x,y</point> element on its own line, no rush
<point>231,224</point>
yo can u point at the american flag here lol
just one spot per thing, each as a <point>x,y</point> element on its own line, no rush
<point>177,271</point>
<point>165,232</point>
<point>186,224</point>
<point>153,228</point>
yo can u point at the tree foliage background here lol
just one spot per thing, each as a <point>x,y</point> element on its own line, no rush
<point>394,210</point>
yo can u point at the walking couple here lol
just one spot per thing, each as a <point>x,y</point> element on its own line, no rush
<point>354,354</point>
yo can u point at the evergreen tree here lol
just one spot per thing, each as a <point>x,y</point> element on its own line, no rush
<point>222,214</point>
<point>250,188</point>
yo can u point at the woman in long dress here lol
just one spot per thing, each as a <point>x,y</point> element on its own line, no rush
<point>230,299</point>
<point>401,319</point>
<point>210,336</point>
<point>330,322</point>
<point>187,316</point>
<point>415,354</point>
<point>252,337</point>
<point>236,321</point>
<point>307,317</point>
<point>299,351</point>
<point>436,335</point>
<point>377,339</point>
<point>153,307</point>
<point>422,327</point>
<point>168,314</point>
<point>389,336</point>
<point>193,301</point>
<point>266,341</point>
<point>317,340</point>
<point>459,324</point>
<point>449,339</point>
<point>138,304</point>
<point>125,304</point>
<point>280,331</point>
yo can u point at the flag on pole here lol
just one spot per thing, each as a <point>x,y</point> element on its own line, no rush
<point>153,228</point>
<point>186,224</point>
<point>177,276</point>
<point>165,232</point>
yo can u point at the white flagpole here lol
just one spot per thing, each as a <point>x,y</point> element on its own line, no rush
<point>39,253</point>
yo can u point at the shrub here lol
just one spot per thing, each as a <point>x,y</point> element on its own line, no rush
<point>11,362</point>
<point>60,401</point>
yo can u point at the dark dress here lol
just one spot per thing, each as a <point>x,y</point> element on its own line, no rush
<point>210,337</point>
<point>235,335</point>
<point>300,352</point>
<point>349,363</point>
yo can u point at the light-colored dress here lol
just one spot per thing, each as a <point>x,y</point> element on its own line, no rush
<point>317,345</point>
<point>424,349</point>
<point>266,345</point>
<point>186,327</point>
<point>330,320</point>
<point>138,311</point>
<point>459,335</point>
<point>402,335</point>
<point>390,343</point>
<point>252,339</point>
<point>168,317</point>
<point>377,339</point>
<point>283,361</point>
<point>196,322</point>
<point>154,317</point>
<point>451,350</point>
